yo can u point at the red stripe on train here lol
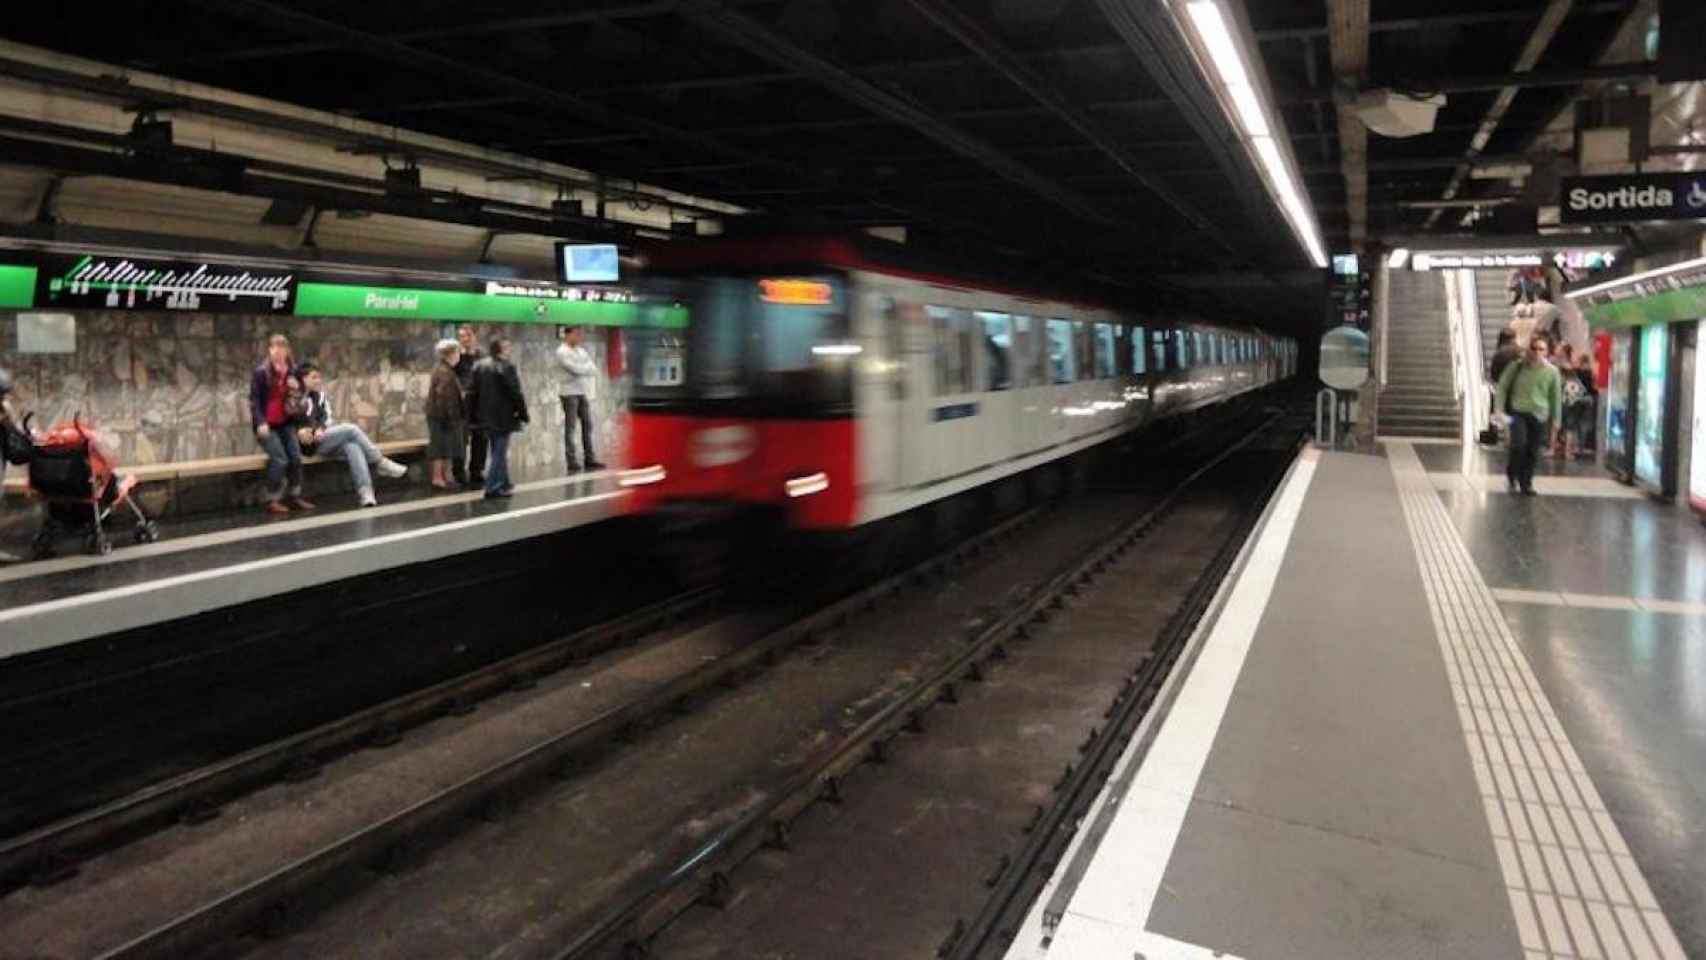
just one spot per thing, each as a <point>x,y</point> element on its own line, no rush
<point>747,461</point>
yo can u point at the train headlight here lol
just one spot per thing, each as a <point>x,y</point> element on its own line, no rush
<point>807,485</point>
<point>640,476</point>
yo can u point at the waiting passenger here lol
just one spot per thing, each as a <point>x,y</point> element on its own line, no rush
<point>274,401</point>
<point>320,436</point>
<point>499,408</point>
<point>446,413</point>
<point>471,469</point>
<point>577,389</point>
<point>1582,407</point>
<point>1531,393</point>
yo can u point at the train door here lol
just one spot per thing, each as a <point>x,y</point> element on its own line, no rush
<point>880,390</point>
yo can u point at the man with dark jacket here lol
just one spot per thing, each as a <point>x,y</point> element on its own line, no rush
<point>1507,352</point>
<point>472,468</point>
<point>497,405</point>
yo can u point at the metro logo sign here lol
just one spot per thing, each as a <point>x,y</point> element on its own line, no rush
<point>1624,198</point>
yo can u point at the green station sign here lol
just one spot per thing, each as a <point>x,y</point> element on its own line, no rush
<point>17,286</point>
<point>402,303</point>
<point>1660,296</point>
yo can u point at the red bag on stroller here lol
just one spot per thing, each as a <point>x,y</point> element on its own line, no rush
<point>76,476</point>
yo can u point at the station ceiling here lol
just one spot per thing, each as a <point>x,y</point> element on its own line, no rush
<point>1070,130</point>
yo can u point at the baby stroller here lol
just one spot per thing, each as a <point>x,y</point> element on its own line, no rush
<point>70,471</point>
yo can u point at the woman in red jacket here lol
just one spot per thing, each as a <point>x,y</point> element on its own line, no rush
<point>275,399</point>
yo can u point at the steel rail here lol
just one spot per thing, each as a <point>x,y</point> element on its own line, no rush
<point>994,926</point>
<point>702,875</point>
<point>239,909</point>
<point>50,853</point>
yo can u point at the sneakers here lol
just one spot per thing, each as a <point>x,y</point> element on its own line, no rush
<point>503,494</point>
<point>365,496</point>
<point>391,468</point>
<point>592,465</point>
<point>277,508</point>
<point>573,468</point>
<point>301,504</point>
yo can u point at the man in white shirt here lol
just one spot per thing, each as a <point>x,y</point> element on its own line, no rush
<point>576,389</point>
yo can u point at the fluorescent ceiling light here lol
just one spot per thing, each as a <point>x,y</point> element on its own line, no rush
<point>1211,27</point>
<point>1398,258</point>
<point>1215,34</point>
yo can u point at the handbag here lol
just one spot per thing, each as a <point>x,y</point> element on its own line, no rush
<point>16,444</point>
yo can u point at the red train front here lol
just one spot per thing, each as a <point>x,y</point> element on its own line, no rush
<point>743,396</point>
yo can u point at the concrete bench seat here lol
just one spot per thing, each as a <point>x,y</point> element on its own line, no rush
<point>17,477</point>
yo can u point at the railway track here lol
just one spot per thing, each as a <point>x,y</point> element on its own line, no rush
<point>667,675</point>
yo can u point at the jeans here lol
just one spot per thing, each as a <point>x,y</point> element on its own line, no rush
<point>577,408</point>
<point>352,443</point>
<point>476,458</point>
<point>497,471</point>
<point>284,462</point>
<point>1528,439</point>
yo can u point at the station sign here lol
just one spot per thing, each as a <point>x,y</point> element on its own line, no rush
<point>100,282</point>
<point>1473,261</point>
<point>17,285</point>
<point>404,303</point>
<point>1666,295</point>
<point>1632,197</point>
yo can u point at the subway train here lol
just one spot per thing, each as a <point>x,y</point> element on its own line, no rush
<point>835,385</point>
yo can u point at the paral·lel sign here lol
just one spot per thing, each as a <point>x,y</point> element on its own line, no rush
<point>1633,197</point>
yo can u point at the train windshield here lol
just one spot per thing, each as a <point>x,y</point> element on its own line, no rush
<point>776,344</point>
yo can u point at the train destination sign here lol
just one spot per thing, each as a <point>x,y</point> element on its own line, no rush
<point>135,283</point>
<point>1633,197</point>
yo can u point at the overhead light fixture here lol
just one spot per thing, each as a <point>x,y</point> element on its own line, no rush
<point>1247,105</point>
<point>1398,258</point>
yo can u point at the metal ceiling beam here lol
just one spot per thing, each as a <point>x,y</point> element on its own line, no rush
<point>1409,24</point>
<point>756,38</point>
<point>120,90</point>
<point>1538,41</point>
<point>476,28</point>
<point>426,61</point>
<point>1347,40</point>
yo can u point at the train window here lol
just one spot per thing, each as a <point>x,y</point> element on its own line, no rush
<point>1029,359</point>
<point>1184,347</point>
<point>1060,352</point>
<point>1139,350</point>
<point>1084,340</point>
<point>997,348</point>
<point>953,354</point>
<point>1105,351</point>
<point>1122,350</point>
<point>1158,349</point>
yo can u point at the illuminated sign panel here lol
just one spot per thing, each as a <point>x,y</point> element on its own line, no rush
<point>136,283</point>
<point>1650,407</point>
<point>800,293</point>
<point>1697,465</point>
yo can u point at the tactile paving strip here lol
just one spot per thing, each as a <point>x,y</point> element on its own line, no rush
<point>1574,888</point>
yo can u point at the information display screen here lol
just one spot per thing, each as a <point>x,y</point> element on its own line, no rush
<point>1618,426</point>
<point>1650,406</point>
<point>588,263</point>
<point>1697,469</point>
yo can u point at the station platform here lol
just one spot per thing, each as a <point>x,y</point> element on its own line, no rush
<point>1424,718</point>
<point>223,561</point>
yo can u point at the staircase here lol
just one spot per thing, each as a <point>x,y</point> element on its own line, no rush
<point>1419,399</point>
<point>1494,303</point>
